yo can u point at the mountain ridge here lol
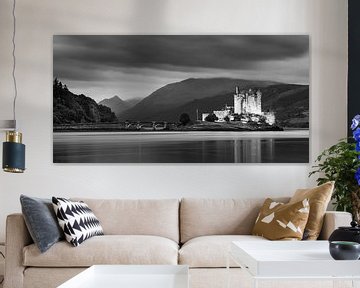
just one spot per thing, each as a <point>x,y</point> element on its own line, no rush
<point>294,115</point>
<point>290,102</point>
<point>179,93</point>
<point>117,105</point>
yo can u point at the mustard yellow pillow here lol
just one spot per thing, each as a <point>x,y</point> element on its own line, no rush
<point>279,221</point>
<point>319,198</point>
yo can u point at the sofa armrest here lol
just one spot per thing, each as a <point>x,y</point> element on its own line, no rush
<point>333,220</point>
<point>17,237</point>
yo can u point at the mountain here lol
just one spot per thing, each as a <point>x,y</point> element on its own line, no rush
<point>69,108</point>
<point>132,102</point>
<point>179,93</point>
<point>289,102</point>
<point>116,104</point>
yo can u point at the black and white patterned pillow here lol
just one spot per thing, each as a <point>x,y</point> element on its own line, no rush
<point>77,220</point>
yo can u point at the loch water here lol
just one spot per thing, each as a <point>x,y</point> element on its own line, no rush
<point>181,147</point>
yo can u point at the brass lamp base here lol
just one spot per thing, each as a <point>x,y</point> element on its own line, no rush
<point>13,170</point>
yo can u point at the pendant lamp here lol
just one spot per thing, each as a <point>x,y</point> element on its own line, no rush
<point>13,149</point>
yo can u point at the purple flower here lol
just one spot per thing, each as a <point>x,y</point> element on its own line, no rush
<point>356,134</point>
<point>355,122</point>
<point>357,176</point>
<point>355,126</point>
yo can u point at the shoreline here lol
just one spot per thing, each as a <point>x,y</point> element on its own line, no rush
<point>298,133</point>
<point>166,127</point>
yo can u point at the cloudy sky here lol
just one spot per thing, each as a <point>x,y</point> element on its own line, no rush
<point>135,66</point>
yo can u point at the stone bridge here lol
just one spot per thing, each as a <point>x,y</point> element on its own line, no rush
<point>153,125</point>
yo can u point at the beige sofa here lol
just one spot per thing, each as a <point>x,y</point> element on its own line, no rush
<point>194,232</point>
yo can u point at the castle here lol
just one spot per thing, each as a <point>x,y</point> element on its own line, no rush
<point>247,107</point>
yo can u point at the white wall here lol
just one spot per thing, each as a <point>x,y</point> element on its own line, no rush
<point>38,20</point>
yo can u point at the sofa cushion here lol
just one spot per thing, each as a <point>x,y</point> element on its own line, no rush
<point>41,221</point>
<point>107,249</point>
<point>158,217</point>
<point>211,251</point>
<point>76,220</point>
<point>319,198</point>
<point>200,217</point>
<point>279,221</point>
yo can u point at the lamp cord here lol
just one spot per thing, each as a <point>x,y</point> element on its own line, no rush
<point>14,60</point>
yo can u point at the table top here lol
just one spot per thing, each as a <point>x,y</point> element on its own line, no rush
<point>291,259</point>
<point>131,276</point>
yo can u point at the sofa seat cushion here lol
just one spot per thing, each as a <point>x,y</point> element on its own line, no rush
<point>107,249</point>
<point>211,251</point>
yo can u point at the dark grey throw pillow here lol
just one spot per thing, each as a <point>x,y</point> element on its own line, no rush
<point>41,221</point>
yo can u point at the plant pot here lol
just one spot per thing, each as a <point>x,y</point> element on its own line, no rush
<point>343,250</point>
<point>350,234</point>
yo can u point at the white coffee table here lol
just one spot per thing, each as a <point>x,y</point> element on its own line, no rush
<point>292,260</point>
<point>131,276</point>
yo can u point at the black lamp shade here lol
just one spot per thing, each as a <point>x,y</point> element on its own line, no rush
<point>13,157</point>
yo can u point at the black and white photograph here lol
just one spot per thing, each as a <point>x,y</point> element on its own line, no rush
<point>181,99</point>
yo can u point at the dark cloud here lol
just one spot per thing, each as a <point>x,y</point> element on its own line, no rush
<point>108,60</point>
<point>159,52</point>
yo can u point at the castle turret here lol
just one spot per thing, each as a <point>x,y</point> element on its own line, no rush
<point>237,101</point>
<point>258,96</point>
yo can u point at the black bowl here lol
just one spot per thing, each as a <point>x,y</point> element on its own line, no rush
<point>344,250</point>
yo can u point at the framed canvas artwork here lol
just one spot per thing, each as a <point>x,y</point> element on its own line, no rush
<point>181,99</point>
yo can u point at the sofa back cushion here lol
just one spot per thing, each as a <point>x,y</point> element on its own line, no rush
<point>159,217</point>
<point>200,217</point>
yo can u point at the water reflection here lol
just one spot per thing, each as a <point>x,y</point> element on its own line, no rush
<point>115,148</point>
<point>247,151</point>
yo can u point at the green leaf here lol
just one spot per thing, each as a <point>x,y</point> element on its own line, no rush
<point>338,163</point>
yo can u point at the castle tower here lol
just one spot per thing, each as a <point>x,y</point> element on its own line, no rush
<point>237,101</point>
<point>258,102</point>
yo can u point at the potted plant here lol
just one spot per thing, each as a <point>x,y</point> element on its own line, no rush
<point>341,163</point>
